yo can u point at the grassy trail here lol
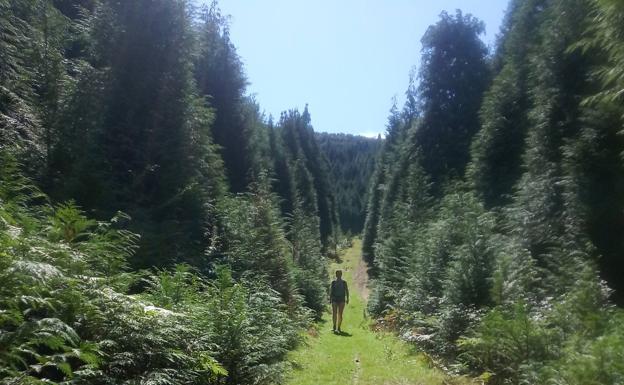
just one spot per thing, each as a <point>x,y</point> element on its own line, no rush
<point>361,356</point>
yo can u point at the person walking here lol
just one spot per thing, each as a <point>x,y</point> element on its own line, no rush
<point>338,296</point>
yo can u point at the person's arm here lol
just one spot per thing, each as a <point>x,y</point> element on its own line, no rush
<point>331,291</point>
<point>346,291</point>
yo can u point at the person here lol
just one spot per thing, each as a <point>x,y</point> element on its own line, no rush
<point>338,296</point>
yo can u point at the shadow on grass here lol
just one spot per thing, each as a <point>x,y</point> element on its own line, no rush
<point>337,258</point>
<point>343,334</point>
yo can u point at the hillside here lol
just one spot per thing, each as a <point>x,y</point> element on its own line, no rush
<point>352,162</point>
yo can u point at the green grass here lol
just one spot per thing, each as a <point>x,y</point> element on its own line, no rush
<point>363,356</point>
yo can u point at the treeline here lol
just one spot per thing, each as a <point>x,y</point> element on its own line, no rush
<point>495,216</point>
<point>352,162</point>
<point>127,142</point>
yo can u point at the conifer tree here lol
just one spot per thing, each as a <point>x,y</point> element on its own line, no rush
<point>453,76</point>
<point>468,268</point>
<point>257,245</point>
<point>395,135</point>
<point>144,142</point>
<point>351,162</point>
<point>309,170</point>
<point>497,149</point>
<point>220,78</point>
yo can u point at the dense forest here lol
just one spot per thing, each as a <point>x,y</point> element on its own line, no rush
<point>352,162</point>
<point>155,226</point>
<point>495,218</point>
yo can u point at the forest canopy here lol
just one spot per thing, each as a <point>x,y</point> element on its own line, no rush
<point>495,217</point>
<point>351,163</point>
<point>156,227</point>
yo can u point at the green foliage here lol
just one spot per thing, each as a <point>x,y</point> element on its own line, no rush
<point>396,132</point>
<point>499,269</point>
<point>140,107</point>
<point>352,161</point>
<point>171,289</point>
<point>497,147</point>
<point>68,224</point>
<point>594,361</point>
<point>605,33</point>
<point>311,272</point>
<point>259,248</point>
<point>63,315</point>
<point>253,330</point>
<point>453,76</point>
<point>509,344</point>
<point>543,343</point>
<point>369,234</point>
<point>600,138</point>
<point>492,214</point>
<point>220,78</point>
<point>439,270</point>
<point>440,118</point>
<point>247,326</point>
<point>20,127</point>
<point>308,173</point>
<point>66,315</point>
<point>257,245</point>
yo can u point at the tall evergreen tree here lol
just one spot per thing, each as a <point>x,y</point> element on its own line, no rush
<point>512,250</point>
<point>310,174</point>
<point>153,120</point>
<point>396,133</point>
<point>497,149</point>
<point>351,162</point>
<point>594,157</point>
<point>553,118</point>
<point>453,76</point>
<point>220,78</point>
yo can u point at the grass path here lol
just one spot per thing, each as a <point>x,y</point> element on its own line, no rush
<point>362,356</point>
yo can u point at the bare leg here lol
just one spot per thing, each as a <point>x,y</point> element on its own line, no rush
<point>334,313</point>
<point>341,307</point>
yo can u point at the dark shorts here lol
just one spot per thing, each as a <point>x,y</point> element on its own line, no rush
<point>338,300</point>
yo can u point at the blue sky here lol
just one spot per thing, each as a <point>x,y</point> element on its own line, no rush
<point>347,59</point>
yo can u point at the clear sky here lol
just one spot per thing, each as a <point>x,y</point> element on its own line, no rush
<point>347,59</point>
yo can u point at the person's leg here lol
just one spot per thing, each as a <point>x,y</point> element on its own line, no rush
<point>334,313</point>
<point>341,307</point>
